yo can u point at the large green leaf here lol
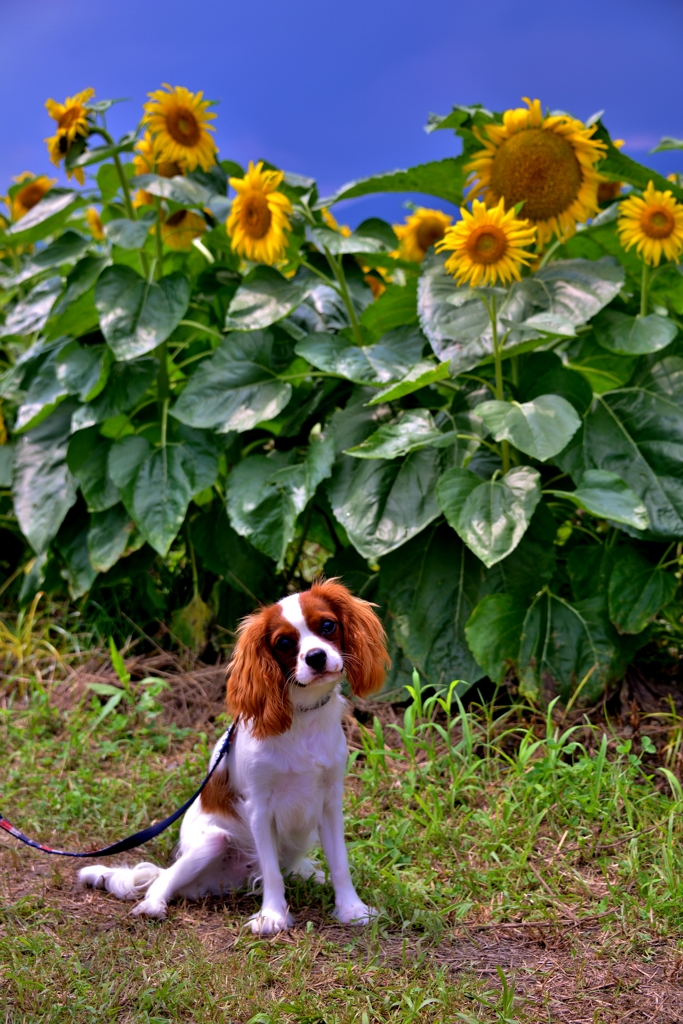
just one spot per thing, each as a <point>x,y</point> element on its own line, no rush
<point>390,359</point>
<point>621,167</point>
<point>383,503</point>
<point>412,430</point>
<point>45,392</point>
<point>602,369</point>
<point>491,516</point>
<point>66,249</point>
<point>45,217</point>
<point>87,458</point>
<point>493,632</point>
<point>109,537</point>
<point>83,369</point>
<point>540,428</point>
<point>181,190</point>
<point>556,300</point>
<point>637,591</point>
<point>266,494</point>
<point>666,377</point>
<point>442,178</point>
<point>264,297</point>
<point>336,243</point>
<point>430,587</point>
<point>6,464</point>
<point>638,435</point>
<point>78,319</point>
<point>235,388</point>
<point>562,643</point>
<point>421,375</point>
<point>604,494</point>
<point>633,335</point>
<point>158,489</point>
<point>396,306</point>
<point>129,234</point>
<point>81,279</point>
<point>126,384</point>
<point>31,313</point>
<point>43,488</point>
<point>137,315</point>
<point>72,544</point>
<point>545,374</point>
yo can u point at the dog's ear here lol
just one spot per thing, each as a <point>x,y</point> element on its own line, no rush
<point>256,686</point>
<point>364,642</point>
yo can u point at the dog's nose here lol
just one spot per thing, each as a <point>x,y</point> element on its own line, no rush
<point>316,659</point>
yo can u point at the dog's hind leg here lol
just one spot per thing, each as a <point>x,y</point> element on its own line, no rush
<point>208,847</point>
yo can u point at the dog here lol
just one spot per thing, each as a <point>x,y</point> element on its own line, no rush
<point>279,789</point>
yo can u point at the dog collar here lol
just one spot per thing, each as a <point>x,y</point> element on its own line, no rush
<point>321,703</point>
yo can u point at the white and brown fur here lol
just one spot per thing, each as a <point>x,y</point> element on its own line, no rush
<point>279,790</point>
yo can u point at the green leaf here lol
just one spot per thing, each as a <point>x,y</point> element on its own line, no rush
<point>389,359</point>
<point>227,554</point>
<point>562,296</point>
<point>235,389</point>
<point>266,494</point>
<point>189,624</point>
<point>334,242</point>
<point>118,664</point>
<point>129,234</point>
<point>79,318</point>
<point>666,377</point>
<point>31,313</point>
<point>430,587</point>
<point>545,374</point>
<point>137,315</point>
<point>622,168</point>
<point>383,503</point>
<point>561,643</point>
<point>638,435</point>
<point>493,633</point>
<point>66,249</point>
<point>637,591</point>
<point>396,306</point>
<point>125,458</point>
<point>411,431</point>
<point>83,369</point>
<point>6,464</point>
<point>72,545</point>
<point>44,394</point>
<point>492,516</point>
<point>43,488</point>
<point>606,495</point>
<point>94,156</point>
<point>160,490</point>
<point>125,386</point>
<point>540,428</point>
<point>180,190</point>
<point>264,297</point>
<point>633,335</point>
<point>45,217</point>
<point>442,178</point>
<point>81,279</point>
<point>532,564</point>
<point>87,458</point>
<point>108,537</point>
<point>603,370</point>
<point>419,376</point>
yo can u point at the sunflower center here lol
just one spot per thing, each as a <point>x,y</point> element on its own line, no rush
<point>183,126</point>
<point>540,167</point>
<point>486,244</point>
<point>30,195</point>
<point>69,117</point>
<point>176,218</point>
<point>255,215</point>
<point>431,229</point>
<point>657,222</point>
<point>169,169</point>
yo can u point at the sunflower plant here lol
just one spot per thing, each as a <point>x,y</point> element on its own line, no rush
<point>211,391</point>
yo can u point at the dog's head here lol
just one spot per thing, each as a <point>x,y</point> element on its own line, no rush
<point>305,642</point>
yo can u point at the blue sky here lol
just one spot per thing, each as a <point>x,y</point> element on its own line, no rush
<point>340,90</point>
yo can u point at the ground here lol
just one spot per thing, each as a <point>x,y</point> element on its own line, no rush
<point>528,870</point>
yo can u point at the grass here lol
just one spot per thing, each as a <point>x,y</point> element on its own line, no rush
<point>525,869</point>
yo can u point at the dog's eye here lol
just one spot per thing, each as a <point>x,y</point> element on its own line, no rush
<point>284,644</point>
<point>327,627</point>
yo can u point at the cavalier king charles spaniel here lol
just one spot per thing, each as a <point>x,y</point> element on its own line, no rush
<point>279,789</point>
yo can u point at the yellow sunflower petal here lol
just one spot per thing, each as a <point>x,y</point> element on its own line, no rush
<point>178,121</point>
<point>654,224</point>
<point>488,245</point>
<point>30,194</point>
<point>422,229</point>
<point>259,217</point>
<point>181,228</point>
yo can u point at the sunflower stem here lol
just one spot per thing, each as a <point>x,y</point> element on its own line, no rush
<point>159,242</point>
<point>163,389</point>
<point>338,271</point>
<point>498,364</point>
<point>644,285</point>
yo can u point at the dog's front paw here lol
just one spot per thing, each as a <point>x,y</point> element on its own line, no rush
<point>94,875</point>
<point>270,922</point>
<point>150,908</point>
<point>354,913</point>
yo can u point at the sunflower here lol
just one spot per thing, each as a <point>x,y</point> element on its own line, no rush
<point>72,123</point>
<point>92,219</point>
<point>421,230</point>
<point>546,161</point>
<point>178,121</point>
<point>331,222</point>
<point>181,228</point>
<point>32,190</point>
<point>654,224</point>
<point>487,245</point>
<point>145,162</point>
<point>259,216</point>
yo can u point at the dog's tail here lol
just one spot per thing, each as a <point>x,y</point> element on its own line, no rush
<point>126,883</point>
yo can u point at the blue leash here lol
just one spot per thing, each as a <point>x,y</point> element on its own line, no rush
<point>140,837</point>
